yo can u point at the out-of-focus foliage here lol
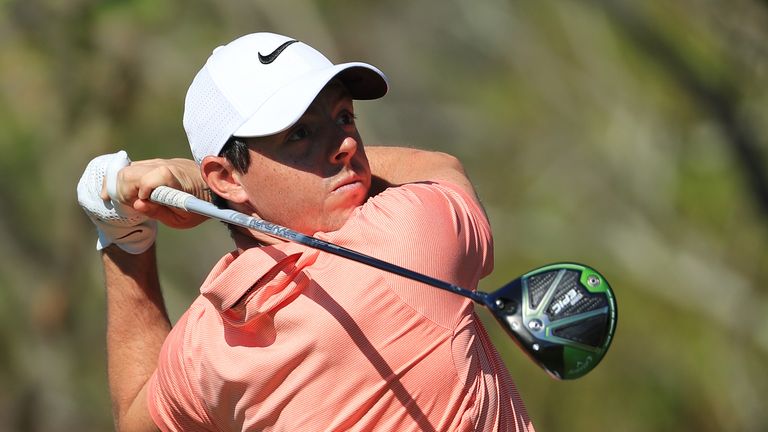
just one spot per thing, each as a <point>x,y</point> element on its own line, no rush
<point>627,135</point>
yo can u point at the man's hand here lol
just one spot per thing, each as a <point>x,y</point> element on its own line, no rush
<point>136,182</point>
<point>115,195</point>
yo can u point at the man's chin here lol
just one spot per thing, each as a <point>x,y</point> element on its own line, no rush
<point>338,220</point>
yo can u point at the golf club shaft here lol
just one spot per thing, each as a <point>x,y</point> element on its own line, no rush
<point>182,200</point>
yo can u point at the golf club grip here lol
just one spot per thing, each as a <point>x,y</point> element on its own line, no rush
<point>182,200</point>
<point>170,197</point>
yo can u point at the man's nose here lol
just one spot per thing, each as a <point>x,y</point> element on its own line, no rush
<point>346,150</point>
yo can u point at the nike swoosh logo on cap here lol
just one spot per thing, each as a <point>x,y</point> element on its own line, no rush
<point>129,234</point>
<point>269,58</point>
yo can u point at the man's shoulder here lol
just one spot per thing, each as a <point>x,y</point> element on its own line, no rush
<point>419,189</point>
<point>430,213</point>
<point>429,198</point>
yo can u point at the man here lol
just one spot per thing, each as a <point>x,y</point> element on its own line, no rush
<point>284,337</point>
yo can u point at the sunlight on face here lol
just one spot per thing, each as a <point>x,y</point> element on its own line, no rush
<point>312,176</point>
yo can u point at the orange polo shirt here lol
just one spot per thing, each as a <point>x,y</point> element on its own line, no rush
<point>288,338</point>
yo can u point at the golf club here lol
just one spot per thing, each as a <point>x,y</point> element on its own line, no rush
<point>562,315</point>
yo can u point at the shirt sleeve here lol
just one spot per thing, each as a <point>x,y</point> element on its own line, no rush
<point>172,402</point>
<point>433,228</point>
<point>436,226</point>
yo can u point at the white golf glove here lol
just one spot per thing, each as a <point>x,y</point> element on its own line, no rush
<point>116,223</point>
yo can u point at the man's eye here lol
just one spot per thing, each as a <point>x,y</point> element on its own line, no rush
<point>299,134</point>
<point>346,118</point>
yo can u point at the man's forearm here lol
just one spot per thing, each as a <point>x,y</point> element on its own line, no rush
<point>400,165</point>
<point>137,325</point>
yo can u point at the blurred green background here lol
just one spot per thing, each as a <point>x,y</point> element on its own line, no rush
<point>631,136</point>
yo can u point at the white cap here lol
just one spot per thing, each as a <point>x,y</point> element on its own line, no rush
<point>261,84</point>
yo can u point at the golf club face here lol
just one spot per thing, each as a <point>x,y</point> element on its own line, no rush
<point>562,315</point>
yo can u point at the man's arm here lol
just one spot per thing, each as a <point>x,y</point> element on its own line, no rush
<point>114,194</point>
<point>137,322</point>
<point>399,165</point>
<point>137,325</point>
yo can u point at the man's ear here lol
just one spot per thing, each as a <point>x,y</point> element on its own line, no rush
<point>223,179</point>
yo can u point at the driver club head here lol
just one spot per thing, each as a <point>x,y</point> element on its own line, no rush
<point>562,315</point>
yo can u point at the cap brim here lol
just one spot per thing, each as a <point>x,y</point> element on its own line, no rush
<point>284,108</point>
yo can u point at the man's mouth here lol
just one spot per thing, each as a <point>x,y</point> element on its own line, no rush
<point>352,183</point>
<point>347,185</point>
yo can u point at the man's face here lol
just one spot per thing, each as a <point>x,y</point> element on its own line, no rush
<point>311,177</point>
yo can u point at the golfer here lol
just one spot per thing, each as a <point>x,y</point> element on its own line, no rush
<point>285,337</point>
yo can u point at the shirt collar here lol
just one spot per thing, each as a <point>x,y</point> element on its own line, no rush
<point>271,269</point>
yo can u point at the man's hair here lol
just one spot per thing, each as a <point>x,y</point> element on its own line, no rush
<point>235,151</point>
